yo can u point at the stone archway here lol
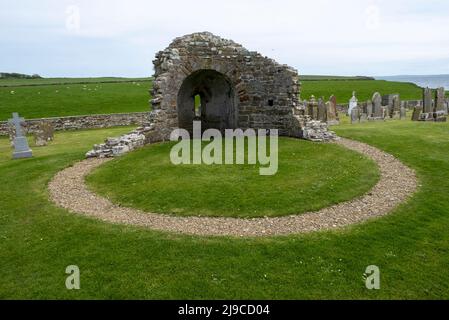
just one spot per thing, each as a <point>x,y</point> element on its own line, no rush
<point>218,101</point>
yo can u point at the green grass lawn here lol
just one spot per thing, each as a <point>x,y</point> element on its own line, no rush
<point>310,176</point>
<point>365,89</point>
<point>14,82</point>
<point>411,245</point>
<point>74,99</point>
<point>118,95</point>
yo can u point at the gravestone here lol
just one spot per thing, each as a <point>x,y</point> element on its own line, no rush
<point>21,148</point>
<point>355,115</point>
<point>385,112</point>
<point>331,111</point>
<point>403,113</point>
<point>416,113</point>
<point>369,108</point>
<point>387,102</point>
<point>427,100</point>
<point>363,117</point>
<point>439,100</point>
<point>313,108</point>
<point>43,133</point>
<point>353,103</point>
<point>396,107</point>
<point>321,110</point>
<point>377,105</point>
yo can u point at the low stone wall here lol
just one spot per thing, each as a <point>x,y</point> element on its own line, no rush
<point>84,122</point>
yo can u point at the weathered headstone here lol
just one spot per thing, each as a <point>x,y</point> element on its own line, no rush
<point>313,108</point>
<point>396,107</point>
<point>387,102</point>
<point>427,101</point>
<point>353,103</point>
<point>377,105</point>
<point>403,113</point>
<point>21,148</point>
<point>355,115</point>
<point>43,133</point>
<point>439,100</point>
<point>321,110</point>
<point>369,108</point>
<point>416,113</point>
<point>363,117</point>
<point>331,110</point>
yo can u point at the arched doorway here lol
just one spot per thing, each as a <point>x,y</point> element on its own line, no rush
<point>207,96</point>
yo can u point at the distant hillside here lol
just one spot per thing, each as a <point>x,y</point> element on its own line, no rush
<point>5,75</point>
<point>22,82</point>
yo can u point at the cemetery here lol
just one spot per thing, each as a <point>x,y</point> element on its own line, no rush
<point>360,181</point>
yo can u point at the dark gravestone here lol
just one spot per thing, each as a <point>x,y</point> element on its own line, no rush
<point>416,113</point>
<point>321,110</point>
<point>331,114</point>
<point>439,100</point>
<point>396,107</point>
<point>427,100</point>
<point>387,102</point>
<point>21,148</point>
<point>313,107</point>
<point>377,105</point>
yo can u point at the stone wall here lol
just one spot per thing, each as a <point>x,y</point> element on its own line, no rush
<point>84,122</point>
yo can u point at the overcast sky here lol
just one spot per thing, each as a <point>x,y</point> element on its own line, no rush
<point>120,38</point>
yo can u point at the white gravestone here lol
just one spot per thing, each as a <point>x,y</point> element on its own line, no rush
<point>353,103</point>
<point>21,148</point>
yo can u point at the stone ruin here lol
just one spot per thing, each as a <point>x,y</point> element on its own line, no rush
<point>235,88</point>
<point>432,109</point>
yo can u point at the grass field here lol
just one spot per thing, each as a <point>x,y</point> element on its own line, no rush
<point>410,246</point>
<point>74,99</point>
<point>100,95</point>
<point>365,89</point>
<point>310,176</point>
<point>12,82</point>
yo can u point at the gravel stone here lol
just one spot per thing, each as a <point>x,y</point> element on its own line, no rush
<point>396,185</point>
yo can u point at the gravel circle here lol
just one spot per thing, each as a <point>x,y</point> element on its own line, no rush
<point>397,183</point>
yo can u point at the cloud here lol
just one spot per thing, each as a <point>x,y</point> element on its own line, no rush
<point>323,36</point>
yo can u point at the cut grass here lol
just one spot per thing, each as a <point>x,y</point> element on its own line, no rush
<point>310,177</point>
<point>410,246</point>
<point>74,99</point>
<point>365,89</point>
<point>14,82</point>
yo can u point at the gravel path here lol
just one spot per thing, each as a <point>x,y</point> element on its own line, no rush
<point>396,185</point>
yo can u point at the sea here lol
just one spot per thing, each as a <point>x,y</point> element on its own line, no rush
<point>431,81</point>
